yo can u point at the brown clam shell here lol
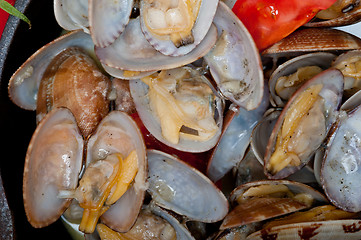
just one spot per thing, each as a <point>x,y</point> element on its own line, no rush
<point>259,209</point>
<point>312,40</point>
<point>350,14</point>
<point>73,80</point>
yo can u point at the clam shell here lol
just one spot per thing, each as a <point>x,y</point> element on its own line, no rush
<point>235,139</point>
<point>73,80</point>
<point>340,168</point>
<point>118,133</point>
<point>313,40</point>
<point>332,82</point>
<point>259,209</point>
<point>131,51</point>
<point>24,83</point>
<point>53,162</point>
<point>346,17</point>
<point>347,60</point>
<point>72,14</point>
<point>201,26</point>
<point>178,187</point>
<point>321,59</point>
<point>259,140</point>
<point>181,229</point>
<point>107,20</point>
<point>335,229</point>
<point>234,61</point>
<point>139,91</point>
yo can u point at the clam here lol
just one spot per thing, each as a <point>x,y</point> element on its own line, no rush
<point>132,52</point>
<point>180,108</point>
<point>53,162</point>
<point>118,133</point>
<point>259,140</point>
<point>235,138</point>
<point>182,189</point>
<point>107,20</point>
<point>73,80</point>
<point>340,166</point>
<point>313,40</point>
<point>261,200</point>
<point>72,14</point>
<point>289,76</point>
<point>349,64</point>
<point>234,61</point>
<point>341,13</point>
<point>113,179</point>
<point>175,28</point>
<point>303,124</point>
<point>24,84</point>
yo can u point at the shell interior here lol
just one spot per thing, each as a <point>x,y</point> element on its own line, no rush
<point>118,133</point>
<point>183,189</point>
<point>235,62</point>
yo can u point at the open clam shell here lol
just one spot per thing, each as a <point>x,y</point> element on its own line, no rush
<point>53,162</point>
<point>118,133</point>
<point>258,209</point>
<point>178,187</point>
<point>151,121</point>
<point>348,63</point>
<point>131,51</point>
<point>259,140</point>
<point>341,13</point>
<point>199,31</point>
<point>330,87</point>
<point>107,20</point>
<point>72,14</point>
<point>335,229</point>
<point>234,61</point>
<point>340,168</point>
<point>320,59</point>
<point>24,84</point>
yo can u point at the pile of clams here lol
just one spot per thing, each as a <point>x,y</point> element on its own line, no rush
<point>161,120</point>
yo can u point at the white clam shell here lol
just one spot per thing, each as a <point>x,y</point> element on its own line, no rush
<point>107,19</point>
<point>235,59</point>
<point>131,51</point>
<point>72,14</point>
<point>53,162</point>
<point>341,166</point>
<point>235,140</point>
<point>178,187</point>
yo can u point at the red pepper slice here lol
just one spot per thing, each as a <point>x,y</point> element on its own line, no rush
<point>268,21</point>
